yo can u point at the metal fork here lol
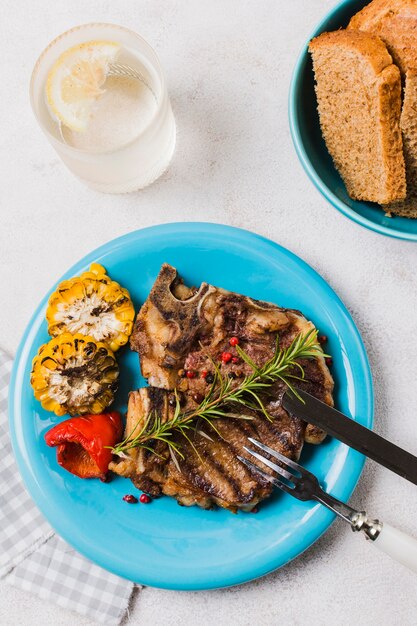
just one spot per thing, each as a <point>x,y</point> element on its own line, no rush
<point>302,484</point>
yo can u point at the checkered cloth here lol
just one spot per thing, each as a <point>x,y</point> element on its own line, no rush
<point>34,559</point>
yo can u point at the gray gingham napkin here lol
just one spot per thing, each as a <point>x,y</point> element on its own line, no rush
<point>34,559</point>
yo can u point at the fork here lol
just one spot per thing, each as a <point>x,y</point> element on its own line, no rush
<point>302,484</point>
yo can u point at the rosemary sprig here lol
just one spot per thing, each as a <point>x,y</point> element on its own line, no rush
<point>224,399</point>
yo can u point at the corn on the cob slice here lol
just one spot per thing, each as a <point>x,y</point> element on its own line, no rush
<point>92,304</point>
<point>74,374</point>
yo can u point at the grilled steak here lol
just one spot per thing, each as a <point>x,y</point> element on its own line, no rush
<point>180,331</point>
<point>210,472</point>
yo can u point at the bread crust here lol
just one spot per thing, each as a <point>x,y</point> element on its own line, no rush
<point>370,47</point>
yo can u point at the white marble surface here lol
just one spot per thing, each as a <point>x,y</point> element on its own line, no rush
<point>228,66</point>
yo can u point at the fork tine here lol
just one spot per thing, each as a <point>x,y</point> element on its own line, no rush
<point>273,466</point>
<point>268,477</point>
<point>277,455</point>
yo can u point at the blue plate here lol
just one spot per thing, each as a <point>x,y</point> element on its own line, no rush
<point>163,544</point>
<point>310,146</point>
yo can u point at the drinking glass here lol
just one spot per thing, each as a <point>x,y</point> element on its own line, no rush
<point>132,144</point>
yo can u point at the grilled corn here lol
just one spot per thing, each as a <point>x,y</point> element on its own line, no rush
<point>74,374</point>
<point>92,304</point>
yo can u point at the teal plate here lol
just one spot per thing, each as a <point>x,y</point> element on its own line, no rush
<point>162,544</point>
<point>310,146</point>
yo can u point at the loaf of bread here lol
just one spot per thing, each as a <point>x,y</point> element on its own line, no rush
<point>395,22</point>
<point>359,102</point>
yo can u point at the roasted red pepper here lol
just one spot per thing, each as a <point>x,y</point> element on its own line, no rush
<point>82,443</point>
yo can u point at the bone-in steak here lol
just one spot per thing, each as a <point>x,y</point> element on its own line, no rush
<point>180,331</point>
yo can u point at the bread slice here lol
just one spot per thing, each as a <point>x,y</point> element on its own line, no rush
<point>408,207</point>
<point>359,101</point>
<point>395,22</point>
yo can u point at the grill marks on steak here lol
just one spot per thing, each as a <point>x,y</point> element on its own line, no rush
<point>210,472</point>
<point>181,328</point>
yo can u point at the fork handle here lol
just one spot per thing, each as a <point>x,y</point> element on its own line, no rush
<point>394,542</point>
<point>397,545</point>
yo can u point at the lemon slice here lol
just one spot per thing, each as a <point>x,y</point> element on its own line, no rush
<point>76,79</point>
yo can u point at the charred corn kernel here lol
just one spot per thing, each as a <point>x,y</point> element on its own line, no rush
<point>92,304</point>
<point>74,374</point>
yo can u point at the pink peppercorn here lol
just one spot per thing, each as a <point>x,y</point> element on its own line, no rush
<point>130,499</point>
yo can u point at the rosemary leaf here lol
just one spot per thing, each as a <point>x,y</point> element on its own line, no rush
<point>284,366</point>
